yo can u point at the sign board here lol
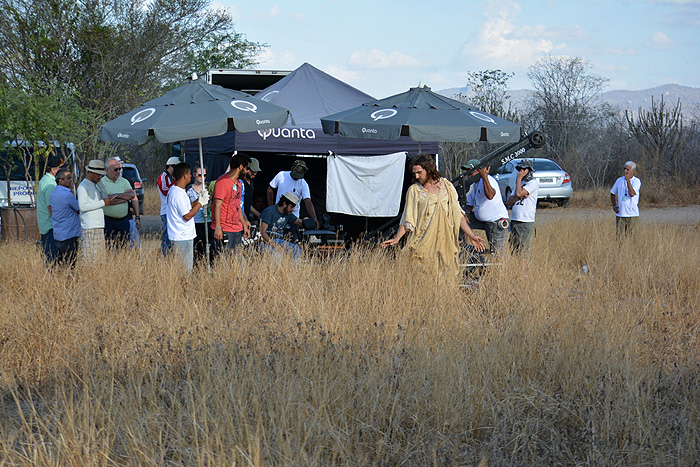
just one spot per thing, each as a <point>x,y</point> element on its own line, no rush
<point>21,192</point>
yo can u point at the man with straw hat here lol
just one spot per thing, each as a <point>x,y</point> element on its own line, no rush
<point>92,220</point>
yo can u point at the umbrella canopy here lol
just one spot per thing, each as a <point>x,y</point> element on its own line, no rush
<point>194,110</point>
<point>424,116</point>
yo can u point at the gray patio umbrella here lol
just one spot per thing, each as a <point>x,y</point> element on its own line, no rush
<point>194,110</point>
<point>424,116</point>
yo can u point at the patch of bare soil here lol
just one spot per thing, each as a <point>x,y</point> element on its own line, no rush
<point>689,215</point>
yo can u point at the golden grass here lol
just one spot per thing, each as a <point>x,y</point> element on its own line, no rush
<point>357,360</point>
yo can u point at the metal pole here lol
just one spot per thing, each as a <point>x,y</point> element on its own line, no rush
<point>204,187</point>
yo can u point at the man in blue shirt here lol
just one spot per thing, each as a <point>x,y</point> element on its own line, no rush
<point>65,215</point>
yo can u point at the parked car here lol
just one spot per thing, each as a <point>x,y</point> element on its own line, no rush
<point>131,173</point>
<point>555,184</point>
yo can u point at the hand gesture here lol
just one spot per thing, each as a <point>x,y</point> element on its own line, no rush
<point>204,198</point>
<point>484,171</point>
<point>478,243</point>
<point>390,242</point>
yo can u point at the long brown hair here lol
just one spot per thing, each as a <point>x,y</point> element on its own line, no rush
<point>428,163</point>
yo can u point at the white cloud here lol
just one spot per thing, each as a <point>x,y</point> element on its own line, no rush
<point>296,16</point>
<point>629,51</point>
<point>379,60</point>
<point>500,42</point>
<point>343,74</point>
<point>273,12</point>
<point>283,60</point>
<point>659,40</point>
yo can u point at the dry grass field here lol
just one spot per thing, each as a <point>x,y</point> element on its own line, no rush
<point>359,359</point>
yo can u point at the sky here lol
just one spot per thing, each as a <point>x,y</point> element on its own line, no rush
<point>385,47</point>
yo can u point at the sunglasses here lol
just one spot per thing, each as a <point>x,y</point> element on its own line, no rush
<point>199,175</point>
<point>117,169</point>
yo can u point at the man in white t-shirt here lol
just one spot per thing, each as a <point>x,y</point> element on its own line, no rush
<point>292,182</point>
<point>180,212</point>
<point>486,208</point>
<point>625,199</point>
<point>524,205</point>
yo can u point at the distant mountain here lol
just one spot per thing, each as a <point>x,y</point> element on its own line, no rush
<point>632,100</point>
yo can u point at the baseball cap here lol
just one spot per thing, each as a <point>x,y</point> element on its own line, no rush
<point>299,169</point>
<point>172,161</point>
<point>254,165</point>
<point>472,163</point>
<point>54,161</point>
<point>525,164</point>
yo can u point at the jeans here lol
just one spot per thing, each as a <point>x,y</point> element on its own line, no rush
<point>234,239</point>
<point>290,248</point>
<point>495,235</point>
<point>67,251</point>
<point>117,230</point>
<point>164,240</point>
<point>48,244</point>
<point>185,248</point>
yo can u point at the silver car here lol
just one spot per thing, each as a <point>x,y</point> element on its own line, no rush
<point>555,184</point>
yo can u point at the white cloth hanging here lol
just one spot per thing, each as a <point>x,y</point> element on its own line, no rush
<point>365,185</point>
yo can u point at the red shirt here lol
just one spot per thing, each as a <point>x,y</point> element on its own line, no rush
<point>230,195</point>
<point>165,181</point>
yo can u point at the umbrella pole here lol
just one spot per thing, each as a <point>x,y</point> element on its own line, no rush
<point>420,151</point>
<point>204,187</point>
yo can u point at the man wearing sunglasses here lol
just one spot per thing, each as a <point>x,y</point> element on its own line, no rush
<point>524,205</point>
<point>65,216</point>
<point>117,213</point>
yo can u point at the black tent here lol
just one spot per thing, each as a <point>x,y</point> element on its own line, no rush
<point>309,94</point>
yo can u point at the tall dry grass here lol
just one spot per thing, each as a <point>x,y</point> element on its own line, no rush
<point>358,359</point>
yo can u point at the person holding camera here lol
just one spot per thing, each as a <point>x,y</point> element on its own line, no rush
<point>524,204</point>
<point>486,210</point>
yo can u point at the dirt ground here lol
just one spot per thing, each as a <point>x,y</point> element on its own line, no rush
<point>689,215</point>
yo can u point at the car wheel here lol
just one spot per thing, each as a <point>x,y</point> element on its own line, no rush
<point>508,192</point>
<point>563,202</point>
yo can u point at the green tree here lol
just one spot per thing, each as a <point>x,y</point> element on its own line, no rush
<point>111,55</point>
<point>33,125</point>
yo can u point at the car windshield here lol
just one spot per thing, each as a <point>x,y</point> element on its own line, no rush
<point>545,165</point>
<point>130,173</point>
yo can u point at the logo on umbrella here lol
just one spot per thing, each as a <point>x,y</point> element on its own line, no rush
<point>483,117</point>
<point>382,114</point>
<point>145,114</point>
<point>269,95</point>
<point>245,106</point>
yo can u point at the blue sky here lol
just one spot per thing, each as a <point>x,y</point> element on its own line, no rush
<point>383,47</point>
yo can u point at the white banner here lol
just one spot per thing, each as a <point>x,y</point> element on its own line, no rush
<point>365,185</point>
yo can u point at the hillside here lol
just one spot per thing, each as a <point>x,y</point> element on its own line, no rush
<point>623,99</point>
